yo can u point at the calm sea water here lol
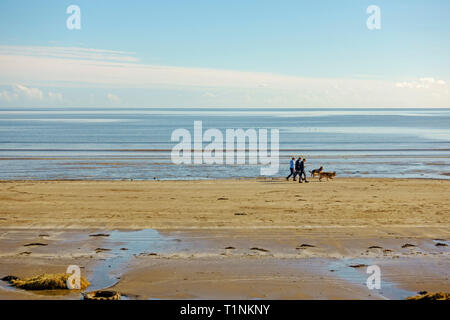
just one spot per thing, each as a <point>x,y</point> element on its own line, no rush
<point>134,143</point>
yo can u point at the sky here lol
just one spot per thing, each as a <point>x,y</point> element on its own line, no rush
<point>212,53</point>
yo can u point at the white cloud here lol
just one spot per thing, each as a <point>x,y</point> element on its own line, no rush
<point>30,93</point>
<point>422,83</point>
<point>208,95</point>
<point>8,96</point>
<point>113,98</point>
<point>19,92</point>
<point>55,96</point>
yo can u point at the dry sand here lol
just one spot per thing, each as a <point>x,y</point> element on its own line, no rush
<point>263,223</point>
<point>214,204</point>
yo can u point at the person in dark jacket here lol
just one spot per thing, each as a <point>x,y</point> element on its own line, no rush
<point>297,167</point>
<point>302,174</point>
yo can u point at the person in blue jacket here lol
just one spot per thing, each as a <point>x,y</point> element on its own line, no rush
<point>292,169</point>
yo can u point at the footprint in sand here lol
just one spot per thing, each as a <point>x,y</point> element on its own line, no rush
<point>259,249</point>
<point>35,244</point>
<point>147,254</point>
<point>359,265</point>
<point>99,235</point>
<point>304,246</point>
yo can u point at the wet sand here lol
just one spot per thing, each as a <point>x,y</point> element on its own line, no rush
<point>242,239</point>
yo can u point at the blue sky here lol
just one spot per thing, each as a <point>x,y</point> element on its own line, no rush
<point>225,53</point>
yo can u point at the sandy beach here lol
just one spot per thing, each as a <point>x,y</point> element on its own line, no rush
<point>241,238</point>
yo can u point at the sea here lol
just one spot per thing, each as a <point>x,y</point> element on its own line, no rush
<point>135,143</point>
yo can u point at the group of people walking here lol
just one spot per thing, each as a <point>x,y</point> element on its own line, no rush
<point>297,168</point>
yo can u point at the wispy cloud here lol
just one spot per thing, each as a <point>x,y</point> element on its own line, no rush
<point>68,53</point>
<point>95,68</point>
<point>80,72</point>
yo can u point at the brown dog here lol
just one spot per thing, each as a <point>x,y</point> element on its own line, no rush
<point>316,172</point>
<point>328,175</point>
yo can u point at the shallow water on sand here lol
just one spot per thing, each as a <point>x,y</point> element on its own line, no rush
<point>389,290</point>
<point>123,246</point>
<point>120,252</point>
<point>149,242</point>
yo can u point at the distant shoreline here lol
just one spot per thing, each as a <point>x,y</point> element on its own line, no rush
<point>278,178</point>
